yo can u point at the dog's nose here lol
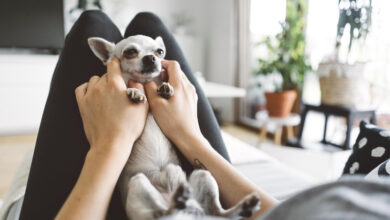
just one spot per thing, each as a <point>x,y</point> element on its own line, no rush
<point>149,60</point>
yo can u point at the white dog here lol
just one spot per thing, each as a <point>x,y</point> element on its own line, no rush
<point>152,183</point>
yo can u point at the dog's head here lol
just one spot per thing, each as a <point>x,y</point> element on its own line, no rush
<point>140,56</point>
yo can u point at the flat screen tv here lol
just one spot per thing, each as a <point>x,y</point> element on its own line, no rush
<point>37,24</point>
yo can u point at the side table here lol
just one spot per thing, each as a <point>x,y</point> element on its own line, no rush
<point>350,114</point>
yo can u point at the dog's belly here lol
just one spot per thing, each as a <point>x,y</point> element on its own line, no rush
<point>150,155</point>
<point>152,151</point>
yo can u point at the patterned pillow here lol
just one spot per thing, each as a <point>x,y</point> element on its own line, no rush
<point>382,170</point>
<point>372,147</point>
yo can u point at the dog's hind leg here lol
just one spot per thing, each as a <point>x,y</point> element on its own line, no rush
<point>183,201</point>
<point>172,180</point>
<point>206,192</point>
<point>168,179</point>
<point>143,200</point>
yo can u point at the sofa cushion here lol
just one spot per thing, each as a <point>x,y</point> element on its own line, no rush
<point>372,147</point>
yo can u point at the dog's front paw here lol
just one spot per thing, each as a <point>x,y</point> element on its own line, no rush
<point>136,96</point>
<point>165,90</point>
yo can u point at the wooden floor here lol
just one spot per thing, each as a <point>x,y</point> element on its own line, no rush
<point>247,135</point>
<point>13,148</point>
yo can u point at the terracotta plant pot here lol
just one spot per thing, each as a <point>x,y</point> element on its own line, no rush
<point>279,104</point>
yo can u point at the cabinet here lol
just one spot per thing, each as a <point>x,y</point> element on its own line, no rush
<point>24,86</point>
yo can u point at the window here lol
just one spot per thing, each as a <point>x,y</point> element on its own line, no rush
<point>262,17</point>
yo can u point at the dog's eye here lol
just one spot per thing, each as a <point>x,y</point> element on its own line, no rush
<point>160,52</point>
<point>130,53</point>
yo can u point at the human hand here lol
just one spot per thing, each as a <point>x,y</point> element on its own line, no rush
<point>176,116</point>
<point>110,119</point>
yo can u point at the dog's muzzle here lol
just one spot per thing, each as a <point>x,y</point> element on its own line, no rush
<point>149,64</point>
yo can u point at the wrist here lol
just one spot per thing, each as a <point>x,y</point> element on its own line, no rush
<point>111,150</point>
<point>112,138</point>
<point>189,140</point>
<point>105,159</point>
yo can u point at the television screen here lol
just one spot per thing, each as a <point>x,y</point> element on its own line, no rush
<point>31,24</point>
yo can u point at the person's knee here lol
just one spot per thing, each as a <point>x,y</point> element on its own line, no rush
<point>91,16</point>
<point>147,16</point>
<point>86,20</point>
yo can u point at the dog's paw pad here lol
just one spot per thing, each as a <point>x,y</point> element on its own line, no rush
<point>165,90</point>
<point>136,96</point>
<point>181,196</point>
<point>251,204</point>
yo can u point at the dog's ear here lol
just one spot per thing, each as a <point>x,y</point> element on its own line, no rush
<point>101,48</point>
<point>160,42</point>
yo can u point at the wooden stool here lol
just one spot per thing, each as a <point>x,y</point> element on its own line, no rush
<point>277,123</point>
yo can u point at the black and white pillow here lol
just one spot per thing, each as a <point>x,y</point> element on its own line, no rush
<point>382,170</point>
<point>372,148</point>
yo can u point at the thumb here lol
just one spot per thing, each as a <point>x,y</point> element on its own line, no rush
<point>114,69</point>
<point>173,70</point>
<point>133,84</point>
<point>151,90</point>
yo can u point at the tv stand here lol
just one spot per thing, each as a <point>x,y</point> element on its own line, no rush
<point>29,51</point>
<point>54,51</point>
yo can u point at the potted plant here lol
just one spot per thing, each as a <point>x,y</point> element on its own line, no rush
<point>342,77</point>
<point>287,58</point>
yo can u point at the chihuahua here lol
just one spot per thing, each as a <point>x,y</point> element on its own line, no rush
<point>152,183</point>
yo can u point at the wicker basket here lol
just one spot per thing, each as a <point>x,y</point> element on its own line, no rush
<point>343,85</point>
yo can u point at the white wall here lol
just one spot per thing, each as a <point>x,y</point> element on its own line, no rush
<point>221,50</point>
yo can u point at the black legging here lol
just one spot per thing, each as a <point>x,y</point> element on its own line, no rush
<point>61,145</point>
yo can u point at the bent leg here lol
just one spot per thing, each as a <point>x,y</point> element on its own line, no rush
<point>150,25</point>
<point>207,194</point>
<point>143,200</point>
<point>61,145</point>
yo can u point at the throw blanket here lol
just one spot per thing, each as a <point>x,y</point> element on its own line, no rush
<point>351,198</point>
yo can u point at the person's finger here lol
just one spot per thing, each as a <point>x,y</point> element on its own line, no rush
<point>114,69</point>
<point>81,91</point>
<point>94,79</point>
<point>185,78</point>
<point>114,73</point>
<point>188,83</point>
<point>103,78</point>
<point>133,84</point>
<point>151,90</point>
<point>173,70</point>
